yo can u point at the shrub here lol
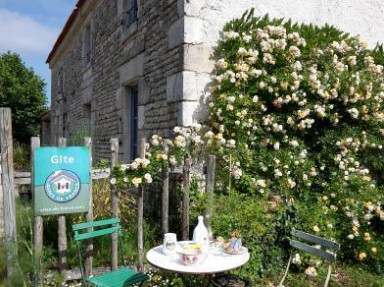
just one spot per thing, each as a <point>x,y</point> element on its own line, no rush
<point>297,112</point>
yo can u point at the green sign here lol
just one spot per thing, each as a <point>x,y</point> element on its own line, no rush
<point>61,180</point>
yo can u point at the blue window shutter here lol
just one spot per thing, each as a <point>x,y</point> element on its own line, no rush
<point>134,121</point>
<point>131,14</point>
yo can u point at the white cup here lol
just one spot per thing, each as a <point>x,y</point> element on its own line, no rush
<point>169,243</point>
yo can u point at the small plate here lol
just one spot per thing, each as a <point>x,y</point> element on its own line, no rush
<point>240,252</point>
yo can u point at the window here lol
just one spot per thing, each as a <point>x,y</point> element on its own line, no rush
<point>87,44</point>
<point>130,12</point>
<point>134,121</point>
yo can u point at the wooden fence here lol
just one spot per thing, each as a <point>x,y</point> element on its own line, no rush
<point>9,179</point>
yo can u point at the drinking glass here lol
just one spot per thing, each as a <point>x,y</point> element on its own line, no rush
<point>169,243</point>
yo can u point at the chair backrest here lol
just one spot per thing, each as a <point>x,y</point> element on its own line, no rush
<point>330,246</point>
<point>93,229</point>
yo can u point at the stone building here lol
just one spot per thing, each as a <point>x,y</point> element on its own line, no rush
<point>130,68</point>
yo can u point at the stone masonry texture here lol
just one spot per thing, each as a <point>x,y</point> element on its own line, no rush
<point>168,53</point>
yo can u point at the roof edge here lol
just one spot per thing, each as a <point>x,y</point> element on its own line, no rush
<point>71,19</point>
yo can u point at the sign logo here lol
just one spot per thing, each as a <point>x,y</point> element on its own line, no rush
<point>62,185</point>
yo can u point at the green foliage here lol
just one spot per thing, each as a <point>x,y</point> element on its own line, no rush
<point>249,216</point>
<point>21,156</point>
<point>26,265</point>
<point>78,135</point>
<point>297,116</point>
<point>22,91</point>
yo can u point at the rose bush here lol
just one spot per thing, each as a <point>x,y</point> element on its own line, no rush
<point>298,113</point>
<point>159,152</point>
<point>296,119</point>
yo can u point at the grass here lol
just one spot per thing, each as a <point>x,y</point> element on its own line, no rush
<point>342,276</point>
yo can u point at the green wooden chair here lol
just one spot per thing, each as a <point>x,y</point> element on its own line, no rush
<point>117,278</point>
<point>328,254</point>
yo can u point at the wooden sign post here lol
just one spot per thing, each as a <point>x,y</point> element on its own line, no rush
<point>62,232</point>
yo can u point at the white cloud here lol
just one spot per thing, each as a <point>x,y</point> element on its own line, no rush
<point>20,33</point>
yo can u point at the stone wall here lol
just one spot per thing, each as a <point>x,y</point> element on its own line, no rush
<point>205,19</point>
<point>168,53</point>
<point>120,58</point>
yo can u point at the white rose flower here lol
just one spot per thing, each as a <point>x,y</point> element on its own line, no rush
<point>294,51</point>
<point>276,146</point>
<point>136,181</point>
<point>311,271</point>
<point>296,259</point>
<point>291,183</point>
<point>148,178</point>
<point>231,143</point>
<point>354,113</point>
<point>113,180</point>
<point>237,172</point>
<point>261,182</point>
<point>209,134</point>
<point>180,141</point>
<point>247,38</point>
<point>278,173</point>
<point>134,165</point>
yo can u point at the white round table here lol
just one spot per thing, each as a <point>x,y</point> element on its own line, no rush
<point>216,262</point>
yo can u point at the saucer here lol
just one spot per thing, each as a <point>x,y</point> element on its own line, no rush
<point>242,251</point>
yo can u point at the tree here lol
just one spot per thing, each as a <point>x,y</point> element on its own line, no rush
<point>24,92</point>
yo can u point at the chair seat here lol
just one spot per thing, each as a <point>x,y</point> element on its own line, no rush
<point>118,278</point>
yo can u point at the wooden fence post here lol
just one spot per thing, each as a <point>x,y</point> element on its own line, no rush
<point>165,194</point>
<point>38,220</point>
<point>62,232</point>
<point>186,187</point>
<point>209,189</point>
<point>89,215</point>
<point>114,201</point>
<point>140,216</point>
<point>1,203</point>
<point>230,173</point>
<point>8,187</point>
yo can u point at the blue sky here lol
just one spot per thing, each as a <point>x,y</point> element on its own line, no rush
<point>30,28</point>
